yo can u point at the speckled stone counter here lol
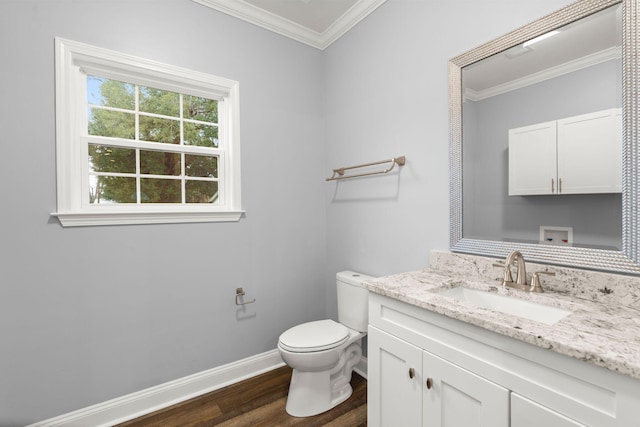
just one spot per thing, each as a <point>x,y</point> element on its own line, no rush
<point>603,327</point>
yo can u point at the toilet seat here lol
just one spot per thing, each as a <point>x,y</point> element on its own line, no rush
<point>314,336</point>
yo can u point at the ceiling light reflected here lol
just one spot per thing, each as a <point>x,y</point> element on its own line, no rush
<point>539,38</point>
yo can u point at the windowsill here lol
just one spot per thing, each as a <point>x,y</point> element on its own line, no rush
<point>83,219</point>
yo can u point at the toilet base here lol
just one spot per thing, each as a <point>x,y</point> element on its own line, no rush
<point>311,393</point>
<point>308,394</point>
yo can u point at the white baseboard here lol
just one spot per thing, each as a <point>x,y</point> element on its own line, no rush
<point>361,367</point>
<point>161,396</point>
<point>152,399</point>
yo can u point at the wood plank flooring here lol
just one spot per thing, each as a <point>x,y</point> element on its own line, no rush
<point>258,401</point>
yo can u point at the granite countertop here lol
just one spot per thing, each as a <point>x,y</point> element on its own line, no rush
<point>604,334</point>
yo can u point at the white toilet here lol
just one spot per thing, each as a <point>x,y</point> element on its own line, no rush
<point>323,353</point>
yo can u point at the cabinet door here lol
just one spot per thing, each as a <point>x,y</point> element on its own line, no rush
<point>458,397</point>
<point>590,153</point>
<point>532,159</point>
<point>526,413</point>
<point>394,393</point>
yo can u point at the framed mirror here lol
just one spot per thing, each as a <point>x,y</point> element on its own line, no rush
<point>580,61</point>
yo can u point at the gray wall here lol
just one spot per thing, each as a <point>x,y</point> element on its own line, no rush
<point>387,96</point>
<point>489,213</point>
<point>89,314</point>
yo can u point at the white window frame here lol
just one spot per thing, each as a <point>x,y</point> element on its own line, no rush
<point>74,61</point>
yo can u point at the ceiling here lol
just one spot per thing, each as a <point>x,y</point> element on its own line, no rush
<point>317,23</point>
<point>588,41</point>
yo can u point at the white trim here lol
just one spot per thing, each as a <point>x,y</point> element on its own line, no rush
<point>155,398</point>
<point>353,16</point>
<point>270,21</point>
<point>83,219</point>
<point>549,73</point>
<point>73,60</point>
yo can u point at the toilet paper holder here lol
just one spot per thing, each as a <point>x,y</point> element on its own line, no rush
<point>239,297</point>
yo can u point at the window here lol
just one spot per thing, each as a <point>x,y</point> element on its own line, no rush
<point>143,142</point>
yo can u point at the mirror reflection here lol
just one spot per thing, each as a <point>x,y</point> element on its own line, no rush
<point>542,138</point>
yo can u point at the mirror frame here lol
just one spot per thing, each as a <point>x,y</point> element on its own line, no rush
<point>623,261</point>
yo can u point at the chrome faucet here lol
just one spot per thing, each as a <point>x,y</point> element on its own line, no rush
<point>521,274</point>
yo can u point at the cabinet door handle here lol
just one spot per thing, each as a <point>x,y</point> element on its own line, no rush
<point>559,185</point>
<point>429,383</point>
<point>552,186</point>
<point>412,373</point>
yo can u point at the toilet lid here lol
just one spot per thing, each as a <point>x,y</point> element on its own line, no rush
<point>314,336</point>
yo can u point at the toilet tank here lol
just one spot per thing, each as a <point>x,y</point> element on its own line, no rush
<point>353,300</point>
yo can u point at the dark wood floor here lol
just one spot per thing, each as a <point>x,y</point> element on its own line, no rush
<point>258,401</point>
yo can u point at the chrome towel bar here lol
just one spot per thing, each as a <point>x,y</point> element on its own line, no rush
<point>339,173</point>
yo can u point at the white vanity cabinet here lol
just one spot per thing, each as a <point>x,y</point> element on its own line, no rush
<point>575,155</point>
<point>395,397</point>
<point>414,383</point>
<point>526,413</point>
<point>426,369</point>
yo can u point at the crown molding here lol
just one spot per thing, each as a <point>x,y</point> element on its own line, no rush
<point>270,21</point>
<point>549,73</point>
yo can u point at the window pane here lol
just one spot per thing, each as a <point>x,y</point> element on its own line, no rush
<point>112,189</point>
<point>154,190</point>
<point>159,101</point>
<point>201,191</point>
<point>202,109</point>
<point>111,123</point>
<point>202,166</point>
<point>201,135</point>
<point>111,159</point>
<point>159,130</point>
<point>159,163</point>
<point>110,93</point>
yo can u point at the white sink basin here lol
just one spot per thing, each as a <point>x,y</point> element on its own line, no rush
<point>517,307</point>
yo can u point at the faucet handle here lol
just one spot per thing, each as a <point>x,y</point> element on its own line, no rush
<point>536,285</point>
<point>507,272</point>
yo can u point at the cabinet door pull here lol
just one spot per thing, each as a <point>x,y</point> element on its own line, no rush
<point>429,383</point>
<point>412,373</point>
<point>552,186</point>
<point>559,185</point>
